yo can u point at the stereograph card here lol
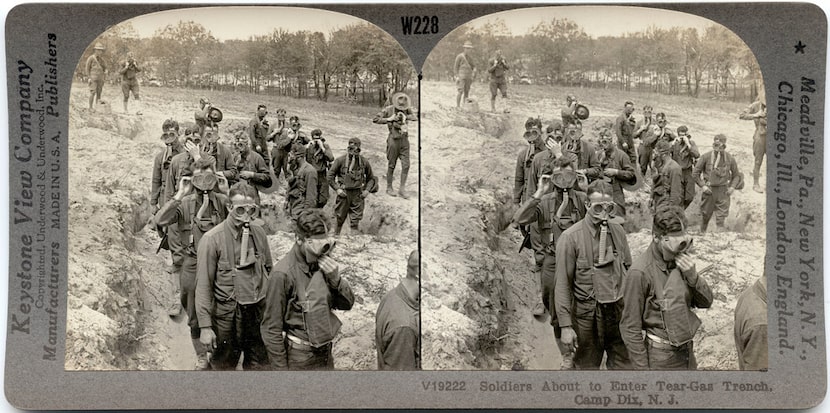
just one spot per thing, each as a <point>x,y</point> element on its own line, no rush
<point>599,206</point>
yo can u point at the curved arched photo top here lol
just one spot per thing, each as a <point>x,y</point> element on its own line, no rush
<point>270,122</point>
<point>656,110</point>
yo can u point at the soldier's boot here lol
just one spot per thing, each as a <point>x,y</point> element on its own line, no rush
<point>401,192</point>
<point>354,229</point>
<point>202,362</point>
<point>755,186</point>
<point>704,224</point>
<point>175,306</point>
<point>339,227</point>
<point>389,178</point>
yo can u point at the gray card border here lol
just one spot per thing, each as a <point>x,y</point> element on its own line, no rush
<point>796,379</point>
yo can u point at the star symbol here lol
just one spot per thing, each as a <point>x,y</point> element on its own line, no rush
<point>799,48</point>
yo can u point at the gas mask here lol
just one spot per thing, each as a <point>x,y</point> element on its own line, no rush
<point>320,247</point>
<point>204,181</point>
<point>532,135</point>
<point>241,145</point>
<point>169,137</point>
<point>718,147</point>
<point>244,212</point>
<point>677,243</point>
<point>601,211</point>
<point>563,178</point>
<point>354,150</point>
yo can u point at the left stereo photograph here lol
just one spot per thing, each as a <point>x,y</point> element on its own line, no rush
<point>241,196</point>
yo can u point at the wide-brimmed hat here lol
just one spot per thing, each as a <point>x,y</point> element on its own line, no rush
<point>468,45</point>
<point>99,46</point>
<point>215,115</point>
<point>582,112</point>
<point>400,105</point>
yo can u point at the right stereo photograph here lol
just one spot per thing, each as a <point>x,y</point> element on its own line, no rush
<point>593,194</point>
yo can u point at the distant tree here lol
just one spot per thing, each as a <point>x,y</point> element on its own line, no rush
<point>177,48</point>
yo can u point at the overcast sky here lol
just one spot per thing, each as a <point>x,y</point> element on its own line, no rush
<point>239,22</point>
<point>596,21</point>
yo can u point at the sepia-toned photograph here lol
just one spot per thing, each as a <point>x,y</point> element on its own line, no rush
<point>243,195</point>
<point>594,192</point>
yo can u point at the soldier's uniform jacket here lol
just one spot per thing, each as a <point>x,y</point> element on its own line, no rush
<point>751,328</point>
<point>360,177</point>
<point>543,211</point>
<point>395,131</point>
<point>258,134</point>
<point>397,332</point>
<point>184,214</point>
<point>523,184</point>
<point>668,185</point>
<point>577,275</point>
<point>302,187</point>
<point>685,156</point>
<point>161,190</point>
<point>619,160</point>
<point>284,141</point>
<point>725,174</point>
<point>218,275</point>
<point>587,160</point>
<point>320,159</point>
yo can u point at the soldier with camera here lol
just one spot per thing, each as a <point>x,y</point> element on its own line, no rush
<point>129,80</point>
<point>498,79</point>
<point>196,208</point>
<point>298,324</point>
<point>232,264</point>
<point>396,116</point>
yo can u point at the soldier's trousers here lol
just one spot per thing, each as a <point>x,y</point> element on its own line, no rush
<point>597,328</point>
<point>303,357</point>
<point>716,202</point>
<point>350,205</point>
<point>397,149</point>
<point>279,161</point>
<point>663,356</point>
<point>237,332</point>
<point>645,158</point>
<point>759,149</point>
<point>187,280</point>
<point>322,189</point>
<point>688,182</point>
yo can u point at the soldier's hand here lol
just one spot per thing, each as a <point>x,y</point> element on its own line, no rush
<point>686,265</point>
<point>246,174</point>
<point>730,190</point>
<point>569,339</point>
<point>364,194</point>
<point>258,148</point>
<point>611,171</point>
<point>208,338</point>
<point>341,192</point>
<point>185,187</point>
<point>706,189</point>
<point>192,149</point>
<point>330,269</point>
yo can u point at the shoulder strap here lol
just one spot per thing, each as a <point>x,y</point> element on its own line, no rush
<point>587,242</point>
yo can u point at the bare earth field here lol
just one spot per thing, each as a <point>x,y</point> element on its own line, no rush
<point>118,285</point>
<point>477,299</point>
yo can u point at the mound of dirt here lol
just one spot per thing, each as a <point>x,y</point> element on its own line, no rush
<point>479,296</point>
<point>119,288</point>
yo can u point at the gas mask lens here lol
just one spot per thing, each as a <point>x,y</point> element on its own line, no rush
<point>169,137</point>
<point>248,210</point>
<point>679,243</point>
<point>600,207</point>
<point>204,181</point>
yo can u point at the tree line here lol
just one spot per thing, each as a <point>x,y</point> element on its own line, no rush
<point>360,62</point>
<point>673,61</point>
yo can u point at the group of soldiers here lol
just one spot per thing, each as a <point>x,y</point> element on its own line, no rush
<point>96,71</point>
<point>240,303</point>
<point>604,303</point>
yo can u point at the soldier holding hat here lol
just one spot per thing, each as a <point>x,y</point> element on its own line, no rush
<point>96,73</point>
<point>717,174</point>
<point>352,178</point>
<point>396,116</point>
<point>464,70</point>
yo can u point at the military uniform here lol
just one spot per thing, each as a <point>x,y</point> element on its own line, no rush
<point>719,179</point>
<point>253,162</point>
<point>523,187</point>
<point>658,299</point>
<point>302,190</point>
<point>686,156</point>
<point>320,159</point>
<point>625,174</point>
<point>397,331</point>
<point>624,129</point>
<point>397,143</point>
<point>353,176</point>
<point>229,296</point>
<point>751,328</point>
<point>289,307</point>
<point>588,292</point>
<point>258,130</point>
<point>668,186</point>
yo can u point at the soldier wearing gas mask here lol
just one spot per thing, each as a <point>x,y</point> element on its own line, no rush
<point>555,206</point>
<point>298,324</point>
<point>352,178</point>
<point>553,150</point>
<point>616,167</point>
<point>195,209</point>
<point>302,182</point>
<point>232,265</point>
<point>283,144</point>
<point>249,164</point>
<point>718,176</point>
<point>162,190</point>
<point>667,188</point>
<point>659,292</point>
<point>591,260</point>
<point>320,156</point>
<point>396,116</point>
<point>684,152</point>
<point>580,153</point>
<point>195,146</point>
